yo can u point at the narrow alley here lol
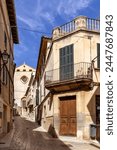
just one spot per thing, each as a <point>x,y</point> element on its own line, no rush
<point>28,135</point>
<point>49,75</point>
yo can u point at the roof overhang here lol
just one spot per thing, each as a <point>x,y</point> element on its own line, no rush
<point>42,51</point>
<point>12,19</point>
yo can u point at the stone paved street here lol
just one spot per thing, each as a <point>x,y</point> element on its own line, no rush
<point>28,136</point>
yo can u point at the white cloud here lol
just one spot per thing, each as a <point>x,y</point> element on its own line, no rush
<point>71,7</point>
<point>24,20</point>
<point>30,22</point>
<point>48,10</point>
<point>48,17</point>
<point>65,8</point>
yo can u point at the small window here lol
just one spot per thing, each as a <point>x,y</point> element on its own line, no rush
<point>24,79</point>
<point>30,69</point>
<point>23,104</point>
<point>45,113</point>
<point>37,96</point>
<point>24,69</point>
<point>5,39</point>
<point>49,102</point>
<point>18,69</point>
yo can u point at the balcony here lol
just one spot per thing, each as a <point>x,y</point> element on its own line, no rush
<point>70,77</point>
<point>78,23</point>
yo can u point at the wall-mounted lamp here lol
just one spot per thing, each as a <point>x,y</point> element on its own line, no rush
<point>5,56</point>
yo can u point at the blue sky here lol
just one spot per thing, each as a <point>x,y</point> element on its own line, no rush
<point>42,16</point>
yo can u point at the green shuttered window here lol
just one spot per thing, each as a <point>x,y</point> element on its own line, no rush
<point>66,62</point>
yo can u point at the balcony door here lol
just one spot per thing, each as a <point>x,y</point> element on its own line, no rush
<point>66,63</point>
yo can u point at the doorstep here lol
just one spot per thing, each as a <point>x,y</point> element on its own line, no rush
<point>72,139</point>
<point>95,143</point>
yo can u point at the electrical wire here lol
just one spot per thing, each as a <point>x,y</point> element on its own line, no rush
<point>27,29</point>
<point>37,31</point>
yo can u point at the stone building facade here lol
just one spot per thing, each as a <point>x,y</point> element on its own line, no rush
<point>21,81</point>
<point>30,98</point>
<point>68,79</point>
<point>8,37</point>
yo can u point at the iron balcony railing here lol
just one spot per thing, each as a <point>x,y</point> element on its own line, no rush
<point>82,70</point>
<point>90,24</point>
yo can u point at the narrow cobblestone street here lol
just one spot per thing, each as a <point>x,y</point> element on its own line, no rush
<point>28,136</point>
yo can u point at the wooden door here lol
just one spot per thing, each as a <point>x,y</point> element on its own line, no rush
<point>98,117</point>
<point>68,115</point>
